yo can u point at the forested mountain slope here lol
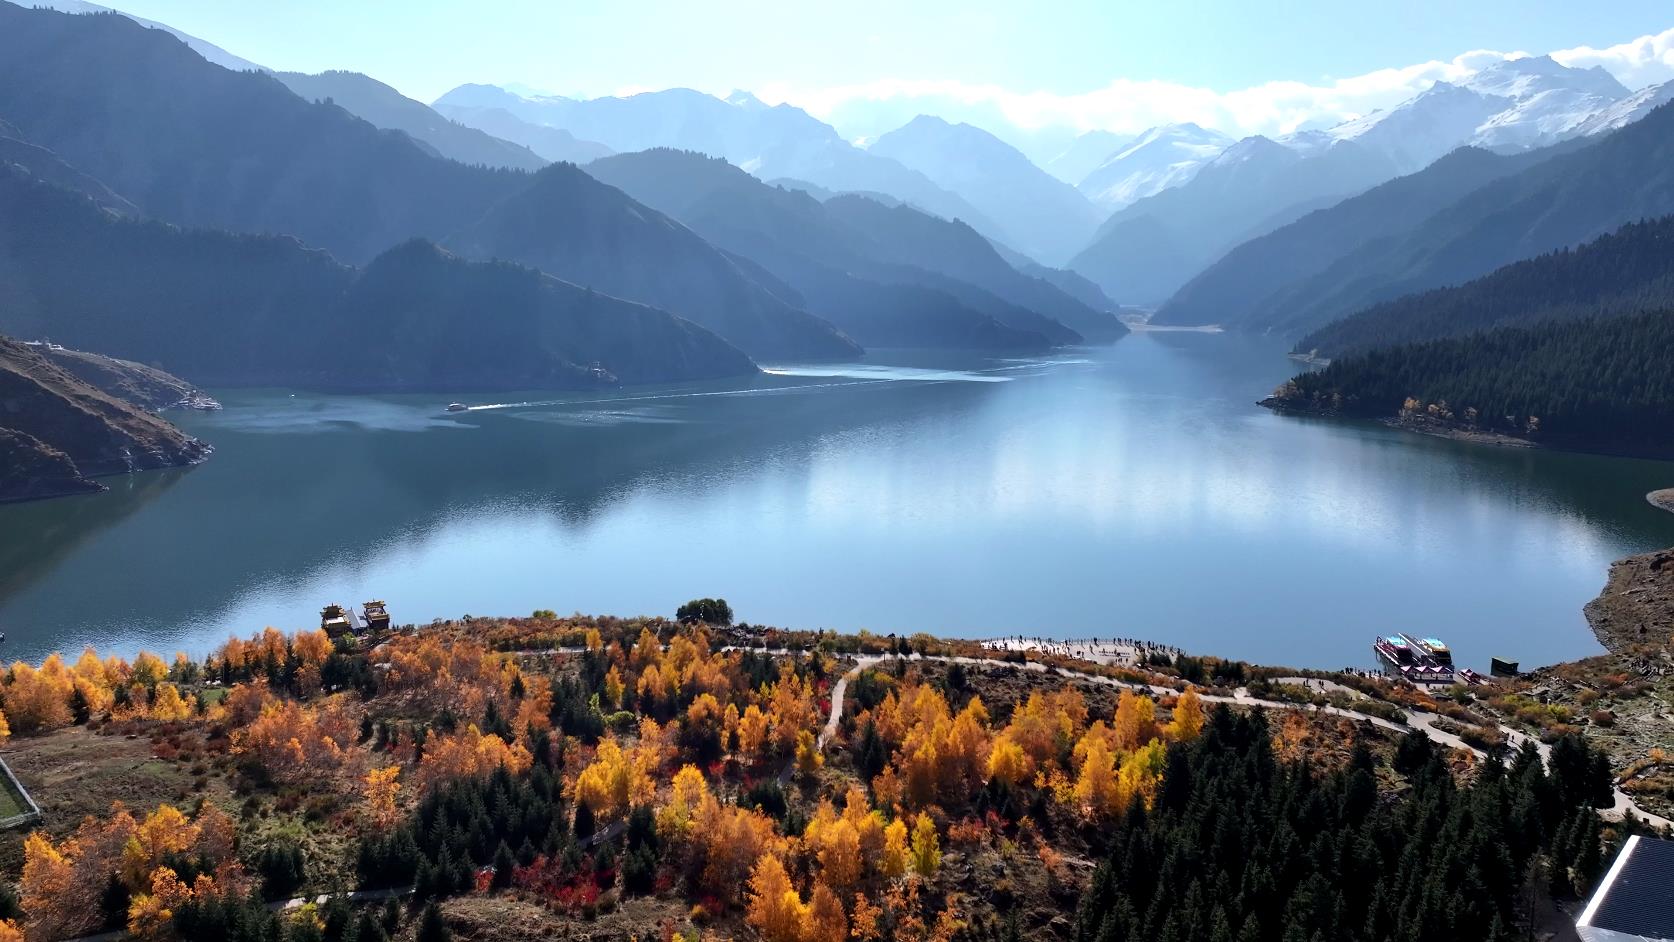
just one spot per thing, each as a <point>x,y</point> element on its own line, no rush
<point>1252,283</point>
<point>1625,272</point>
<point>873,292</point>
<point>1592,384</point>
<point>195,144</point>
<point>1574,197</point>
<point>240,310</point>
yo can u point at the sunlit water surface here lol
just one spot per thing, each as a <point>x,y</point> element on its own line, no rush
<point>1131,490</point>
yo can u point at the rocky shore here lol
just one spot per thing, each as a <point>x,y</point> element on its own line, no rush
<point>60,431</point>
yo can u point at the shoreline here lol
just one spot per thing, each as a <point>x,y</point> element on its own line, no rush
<point>1661,499</point>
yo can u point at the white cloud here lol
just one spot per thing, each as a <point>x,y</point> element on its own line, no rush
<point>1128,106</point>
<point>1643,61</point>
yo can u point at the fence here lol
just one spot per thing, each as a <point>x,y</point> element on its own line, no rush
<point>25,801</point>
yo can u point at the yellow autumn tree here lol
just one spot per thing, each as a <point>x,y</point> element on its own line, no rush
<point>689,793</point>
<point>1008,763</point>
<point>1097,789</point>
<point>615,780</point>
<point>469,754</point>
<point>752,732</point>
<point>1136,721</point>
<point>775,908</point>
<point>927,847</point>
<point>382,789</point>
<point>895,853</point>
<point>169,705</point>
<point>1187,722</point>
<point>38,699</point>
<point>809,758</point>
<point>826,920</point>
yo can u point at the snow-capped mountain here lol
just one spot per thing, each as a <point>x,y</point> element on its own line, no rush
<point>1084,154</point>
<point>1517,104</point>
<point>1622,113</point>
<point>1046,217</point>
<point>1419,130</point>
<point>1161,158</point>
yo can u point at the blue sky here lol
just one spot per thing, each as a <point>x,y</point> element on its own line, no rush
<point>825,54</point>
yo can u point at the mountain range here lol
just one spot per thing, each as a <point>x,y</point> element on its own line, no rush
<point>887,275</point>
<point>1150,248</point>
<point>1160,159</point>
<point>1042,216</point>
<point>1625,272</point>
<point>195,144</point>
<point>1586,189</point>
<point>240,310</point>
<point>384,107</point>
<point>768,141</point>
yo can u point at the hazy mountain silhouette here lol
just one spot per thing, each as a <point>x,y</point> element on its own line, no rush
<point>1045,218</point>
<point>1143,253</point>
<point>1626,272</point>
<point>1251,280</point>
<point>840,273</point>
<point>1577,195</point>
<point>768,141</point>
<point>387,108</point>
<point>242,310</point>
<point>195,144</point>
<point>641,254</point>
<point>552,144</point>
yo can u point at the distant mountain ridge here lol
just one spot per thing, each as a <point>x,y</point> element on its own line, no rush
<point>385,107</point>
<point>1157,160</point>
<point>838,265</point>
<point>242,310</point>
<point>1585,190</point>
<point>767,141</point>
<point>1150,248</point>
<point>1046,218</point>
<point>1625,272</point>
<point>1254,282</point>
<point>195,144</point>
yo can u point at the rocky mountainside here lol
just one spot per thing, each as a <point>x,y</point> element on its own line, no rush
<point>58,432</point>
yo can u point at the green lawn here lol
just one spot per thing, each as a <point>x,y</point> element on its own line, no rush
<point>11,803</point>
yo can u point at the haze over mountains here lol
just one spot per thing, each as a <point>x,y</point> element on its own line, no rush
<point>1148,249</point>
<point>932,234</point>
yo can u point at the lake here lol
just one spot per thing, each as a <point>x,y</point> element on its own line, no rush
<point>1132,490</point>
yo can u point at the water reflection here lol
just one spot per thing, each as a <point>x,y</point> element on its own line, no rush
<point>1131,490</point>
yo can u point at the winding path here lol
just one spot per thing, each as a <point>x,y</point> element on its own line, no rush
<point>1424,722</point>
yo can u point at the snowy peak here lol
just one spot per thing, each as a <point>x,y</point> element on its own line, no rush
<point>1622,113</point>
<point>1421,129</point>
<point>1085,154</point>
<point>1532,75</point>
<point>1156,160</point>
